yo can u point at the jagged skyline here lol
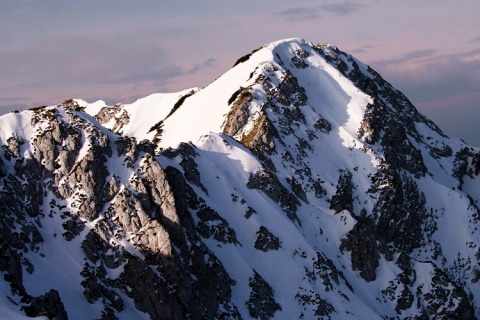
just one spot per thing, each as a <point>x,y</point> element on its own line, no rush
<point>119,51</point>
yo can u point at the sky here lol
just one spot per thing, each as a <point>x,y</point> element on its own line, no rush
<point>122,50</point>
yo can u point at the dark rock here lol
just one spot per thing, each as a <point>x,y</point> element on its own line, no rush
<point>49,305</point>
<point>299,62</point>
<point>343,199</point>
<point>319,191</point>
<point>298,189</point>
<point>13,146</point>
<point>289,92</point>
<point>323,125</point>
<point>401,211</point>
<point>127,147</point>
<point>361,242</point>
<point>272,187</point>
<point>261,138</point>
<point>405,300</point>
<point>321,307</point>
<point>73,227</point>
<point>250,212</point>
<point>266,240</point>
<point>261,303</point>
<point>213,225</point>
<point>445,293</point>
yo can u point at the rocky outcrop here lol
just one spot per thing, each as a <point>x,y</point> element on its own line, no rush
<point>48,305</point>
<point>213,225</point>
<point>262,137</point>
<point>289,92</point>
<point>362,244</point>
<point>239,113</point>
<point>266,240</point>
<point>272,187</point>
<point>261,303</point>
<point>343,199</point>
<point>466,163</point>
<point>117,114</point>
<point>161,281</point>
<point>398,149</point>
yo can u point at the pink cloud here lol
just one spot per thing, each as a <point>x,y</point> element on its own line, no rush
<point>460,99</point>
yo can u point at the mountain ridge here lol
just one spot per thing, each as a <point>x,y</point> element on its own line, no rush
<point>311,188</point>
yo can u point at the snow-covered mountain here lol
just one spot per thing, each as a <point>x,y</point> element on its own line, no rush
<point>298,185</point>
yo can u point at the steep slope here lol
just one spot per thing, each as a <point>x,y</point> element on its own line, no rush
<point>298,185</point>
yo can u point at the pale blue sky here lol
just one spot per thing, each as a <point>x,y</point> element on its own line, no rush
<point>119,50</point>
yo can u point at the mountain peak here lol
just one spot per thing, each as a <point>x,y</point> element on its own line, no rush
<point>299,184</point>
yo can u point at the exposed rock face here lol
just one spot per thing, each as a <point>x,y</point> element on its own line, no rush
<point>273,188</point>
<point>117,113</point>
<point>343,199</point>
<point>266,240</point>
<point>361,242</point>
<point>153,274</point>
<point>261,139</point>
<point>239,113</point>
<point>261,304</point>
<point>48,305</point>
<point>213,225</point>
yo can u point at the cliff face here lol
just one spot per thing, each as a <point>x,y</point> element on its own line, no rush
<point>298,185</point>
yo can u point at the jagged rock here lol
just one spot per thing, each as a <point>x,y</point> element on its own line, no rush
<point>209,293</point>
<point>91,173</point>
<point>476,163</point>
<point>250,212</point>
<point>272,187</point>
<point>299,59</point>
<point>261,138</point>
<point>2,168</point>
<point>445,293</point>
<point>361,242</point>
<point>401,210</point>
<point>399,152</point>
<point>72,227</point>
<point>261,303</point>
<point>112,189</point>
<point>72,104</point>
<point>293,114</point>
<point>213,225</point>
<point>148,291</point>
<point>10,263</point>
<point>107,113</point>
<point>13,147</point>
<point>94,291</point>
<point>146,146</point>
<point>327,271</point>
<point>298,189</point>
<point>47,150</point>
<point>343,199</point>
<point>321,307</point>
<point>48,305</point>
<point>239,113</point>
<point>323,125</point>
<point>127,147</point>
<point>289,92</point>
<point>191,172</point>
<point>319,190</point>
<point>266,240</point>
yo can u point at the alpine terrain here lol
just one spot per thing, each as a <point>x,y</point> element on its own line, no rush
<point>298,185</point>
